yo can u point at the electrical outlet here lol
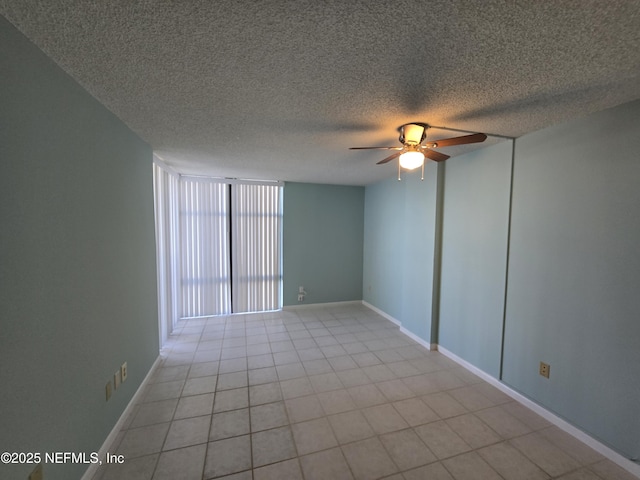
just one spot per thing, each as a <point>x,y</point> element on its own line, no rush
<point>116,379</point>
<point>300,297</point>
<point>545,369</point>
<point>107,390</point>
<point>36,474</point>
<point>124,371</point>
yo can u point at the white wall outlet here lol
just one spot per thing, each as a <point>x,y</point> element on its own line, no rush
<point>300,297</point>
<point>116,379</point>
<point>124,371</point>
<point>545,369</point>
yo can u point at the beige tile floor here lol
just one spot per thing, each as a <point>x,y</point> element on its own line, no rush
<point>333,392</point>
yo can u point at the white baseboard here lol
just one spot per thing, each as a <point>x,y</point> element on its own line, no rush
<point>599,447</point>
<point>417,339</point>
<point>303,306</point>
<point>382,313</point>
<point>91,471</point>
<point>411,335</point>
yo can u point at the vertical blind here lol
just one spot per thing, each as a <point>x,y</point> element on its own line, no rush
<point>218,246</point>
<point>204,253</point>
<point>255,257</point>
<point>229,247</point>
<point>165,186</point>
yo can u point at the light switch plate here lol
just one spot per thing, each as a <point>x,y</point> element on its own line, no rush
<point>124,371</point>
<point>116,379</point>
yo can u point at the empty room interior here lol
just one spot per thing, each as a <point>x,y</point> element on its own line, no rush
<point>216,262</point>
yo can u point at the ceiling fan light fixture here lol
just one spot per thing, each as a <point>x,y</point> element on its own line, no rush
<point>411,160</point>
<point>413,152</point>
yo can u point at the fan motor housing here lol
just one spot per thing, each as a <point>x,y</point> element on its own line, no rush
<point>413,133</point>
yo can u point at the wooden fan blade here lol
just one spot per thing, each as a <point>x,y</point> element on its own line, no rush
<point>389,158</point>
<point>435,156</point>
<point>448,142</point>
<point>375,148</point>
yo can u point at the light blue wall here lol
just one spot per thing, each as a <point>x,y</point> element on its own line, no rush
<point>474,255</point>
<point>399,248</point>
<point>322,242</point>
<point>419,238</point>
<point>574,275</point>
<point>383,243</point>
<point>574,270</point>
<point>77,244</point>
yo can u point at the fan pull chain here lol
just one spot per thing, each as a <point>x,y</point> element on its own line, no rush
<point>422,177</point>
<point>399,170</point>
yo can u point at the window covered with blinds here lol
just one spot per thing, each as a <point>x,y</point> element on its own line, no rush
<point>227,247</point>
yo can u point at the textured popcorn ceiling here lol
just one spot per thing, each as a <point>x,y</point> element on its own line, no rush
<point>281,89</point>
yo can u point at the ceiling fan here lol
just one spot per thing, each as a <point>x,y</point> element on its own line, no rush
<point>413,152</point>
